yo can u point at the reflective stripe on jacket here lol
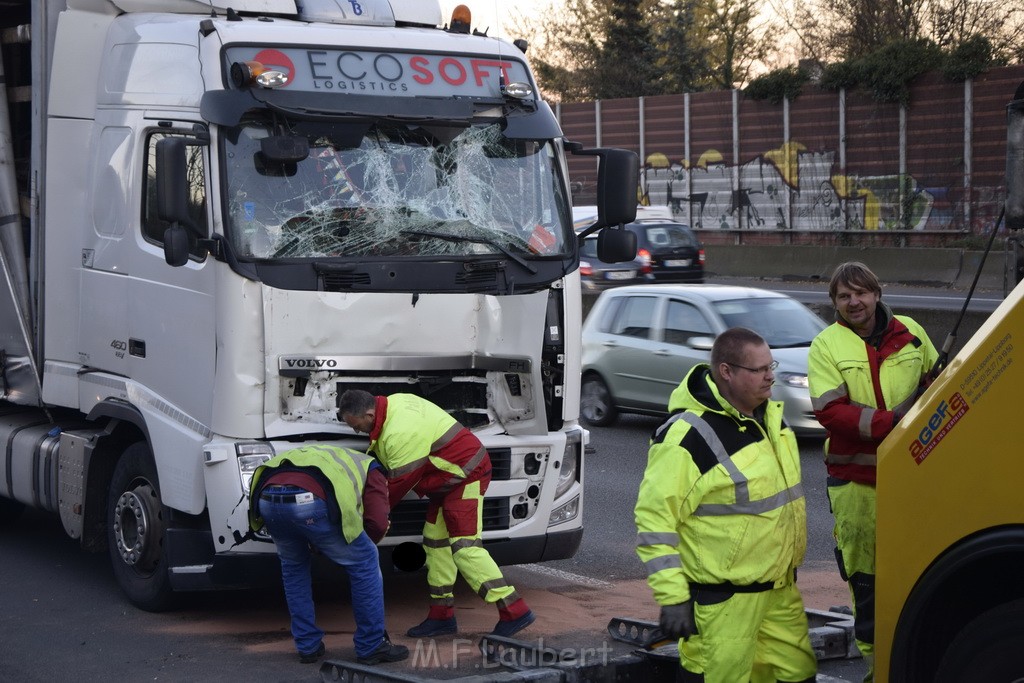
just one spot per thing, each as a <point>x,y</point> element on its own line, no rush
<point>857,391</point>
<point>426,449</point>
<point>345,469</point>
<point>721,500</point>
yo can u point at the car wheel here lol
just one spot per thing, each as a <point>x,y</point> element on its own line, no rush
<point>136,527</point>
<point>596,404</point>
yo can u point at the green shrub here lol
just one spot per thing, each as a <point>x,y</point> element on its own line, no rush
<point>970,58</point>
<point>777,85</point>
<point>888,71</point>
<point>841,75</point>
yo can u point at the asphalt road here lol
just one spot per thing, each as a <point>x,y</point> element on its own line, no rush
<point>64,618</point>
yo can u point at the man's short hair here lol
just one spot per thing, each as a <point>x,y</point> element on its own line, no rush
<point>356,402</point>
<point>853,274</point>
<point>729,346</point>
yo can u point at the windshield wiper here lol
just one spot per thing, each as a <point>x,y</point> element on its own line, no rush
<point>477,240</point>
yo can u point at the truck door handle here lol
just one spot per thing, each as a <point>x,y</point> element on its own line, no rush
<point>662,352</point>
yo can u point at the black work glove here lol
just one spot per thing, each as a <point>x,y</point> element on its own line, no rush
<point>676,621</point>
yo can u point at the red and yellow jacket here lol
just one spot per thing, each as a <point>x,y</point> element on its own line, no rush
<point>859,392</point>
<point>424,448</point>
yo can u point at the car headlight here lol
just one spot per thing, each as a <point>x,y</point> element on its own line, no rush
<point>570,463</point>
<point>250,456</point>
<point>793,379</point>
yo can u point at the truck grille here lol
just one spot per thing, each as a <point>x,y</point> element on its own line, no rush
<point>407,517</point>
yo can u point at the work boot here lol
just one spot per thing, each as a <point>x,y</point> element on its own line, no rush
<point>513,618</point>
<point>440,621</point>
<point>385,652</point>
<point>506,628</point>
<point>433,627</point>
<point>311,657</point>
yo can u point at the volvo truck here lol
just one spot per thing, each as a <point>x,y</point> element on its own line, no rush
<point>218,216</point>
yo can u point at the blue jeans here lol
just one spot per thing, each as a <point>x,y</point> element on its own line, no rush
<point>297,526</point>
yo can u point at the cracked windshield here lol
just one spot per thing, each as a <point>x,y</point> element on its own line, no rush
<point>390,190</point>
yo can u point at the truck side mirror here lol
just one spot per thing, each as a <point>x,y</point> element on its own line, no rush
<point>176,245</point>
<point>618,177</point>
<point>615,245</point>
<point>171,189</point>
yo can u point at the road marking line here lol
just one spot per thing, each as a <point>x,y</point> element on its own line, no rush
<point>567,576</point>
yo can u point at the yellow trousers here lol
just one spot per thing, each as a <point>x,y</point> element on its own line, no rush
<point>749,637</point>
<point>463,552</point>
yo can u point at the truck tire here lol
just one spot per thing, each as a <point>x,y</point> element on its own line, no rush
<point>136,525</point>
<point>10,511</point>
<point>988,648</point>
<point>596,404</point>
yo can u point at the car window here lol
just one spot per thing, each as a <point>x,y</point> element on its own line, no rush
<point>634,317</point>
<point>670,236</point>
<point>683,321</point>
<point>608,314</point>
<point>781,321</point>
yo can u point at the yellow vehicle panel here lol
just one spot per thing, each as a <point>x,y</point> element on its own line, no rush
<point>953,466</point>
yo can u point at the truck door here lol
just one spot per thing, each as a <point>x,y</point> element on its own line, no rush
<point>170,343</point>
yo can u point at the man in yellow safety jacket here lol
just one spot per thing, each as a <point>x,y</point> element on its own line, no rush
<point>864,371</point>
<point>335,500</point>
<point>429,452</point>
<point>721,522</point>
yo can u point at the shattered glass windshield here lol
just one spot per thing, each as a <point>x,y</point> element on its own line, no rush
<point>386,189</point>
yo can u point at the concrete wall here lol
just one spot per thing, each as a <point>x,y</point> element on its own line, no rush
<point>932,266</point>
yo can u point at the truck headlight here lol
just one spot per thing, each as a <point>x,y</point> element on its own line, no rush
<point>250,456</point>
<point>569,469</point>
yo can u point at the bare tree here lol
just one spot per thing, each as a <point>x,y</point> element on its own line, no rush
<point>736,39</point>
<point>953,22</point>
<point>831,30</point>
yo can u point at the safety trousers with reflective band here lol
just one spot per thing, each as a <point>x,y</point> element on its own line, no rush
<point>742,636</point>
<point>853,506</point>
<point>451,539</point>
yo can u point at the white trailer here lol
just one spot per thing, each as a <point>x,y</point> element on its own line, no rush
<point>216,217</point>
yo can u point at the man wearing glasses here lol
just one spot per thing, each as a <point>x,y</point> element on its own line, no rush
<point>864,372</point>
<point>722,524</point>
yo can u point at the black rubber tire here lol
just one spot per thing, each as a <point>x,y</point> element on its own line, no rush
<point>987,649</point>
<point>597,407</point>
<point>136,531</point>
<point>10,511</point>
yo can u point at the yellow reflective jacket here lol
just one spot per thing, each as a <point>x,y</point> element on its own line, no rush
<point>858,391</point>
<point>721,500</point>
<point>345,469</point>
<point>415,432</point>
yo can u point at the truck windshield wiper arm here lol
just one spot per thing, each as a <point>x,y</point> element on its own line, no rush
<point>477,240</point>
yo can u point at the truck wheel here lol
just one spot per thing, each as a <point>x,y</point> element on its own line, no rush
<point>10,511</point>
<point>596,405</point>
<point>136,522</point>
<point>987,648</point>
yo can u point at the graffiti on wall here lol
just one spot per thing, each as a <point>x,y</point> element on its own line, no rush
<point>788,188</point>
